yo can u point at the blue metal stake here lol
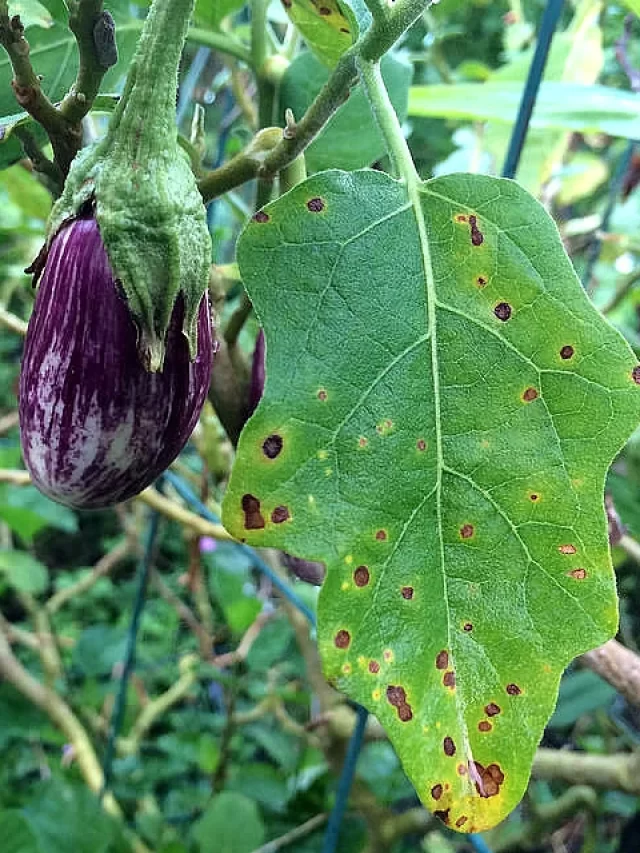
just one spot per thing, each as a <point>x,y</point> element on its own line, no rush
<point>548,26</point>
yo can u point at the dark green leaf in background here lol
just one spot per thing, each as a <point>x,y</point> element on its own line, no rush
<point>442,403</point>
<point>351,139</point>
<point>23,572</point>
<point>231,824</point>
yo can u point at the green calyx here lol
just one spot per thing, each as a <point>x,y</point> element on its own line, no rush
<point>146,201</point>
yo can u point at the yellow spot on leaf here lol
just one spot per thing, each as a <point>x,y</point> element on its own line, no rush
<point>322,454</point>
<point>346,668</point>
<point>349,559</point>
<point>375,695</point>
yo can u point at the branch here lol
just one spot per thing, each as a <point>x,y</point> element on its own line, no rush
<point>65,138</point>
<point>157,707</point>
<point>11,322</point>
<point>295,834</point>
<point>173,510</point>
<point>61,715</point>
<point>609,772</point>
<point>100,570</point>
<point>94,31</point>
<point>185,614</point>
<point>617,665</point>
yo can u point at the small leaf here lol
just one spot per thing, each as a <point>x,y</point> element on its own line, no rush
<point>329,27</point>
<point>23,572</point>
<point>442,403</point>
<point>231,824</point>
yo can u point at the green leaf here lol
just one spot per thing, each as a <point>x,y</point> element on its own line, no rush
<point>210,14</point>
<point>351,139</point>
<point>442,403</point>
<point>16,835</point>
<point>27,511</point>
<point>329,27</point>
<point>23,572</point>
<point>564,106</point>
<point>231,824</point>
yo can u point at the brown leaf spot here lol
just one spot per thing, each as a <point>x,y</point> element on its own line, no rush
<point>362,441</point>
<point>324,11</point>
<point>466,531</point>
<point>342,639</point>
<point>484,726</point>
<point>491,710</point>
<point>578,574</point>
<point>387,654</point>
<point>529,395</point>
<point>566,352</point>
<point>477,237</point>
<point>449,746</point>
<point>374,667</point>
<point>487,779</point>
<point>443,815</point>
<point>396,695</point>
<point>460,217</point>
<point>344,30</point>
<point>449,679</point>
<point>287,3</point>
<point>272,445</point>
<point>421,444</point>
<point>635,374</point>
<point>502,311</point>
<point>322,395</point>
<point>381,535</point>
<point>361,576</point>
<point>513,690</point>
<point>315,205</point>
<point>467,627</point>
<point>461,820</point>
<point>436,791</point>
<point>280,514</point>
<point>462,769</point>
<point>481,281</point>
<point>253,520</point>
<point>398,698</point>
<point>407,592</point>
<point>405,713</point>
<point>260,215</point>
<point>567,549</point>
<point>442,659</point>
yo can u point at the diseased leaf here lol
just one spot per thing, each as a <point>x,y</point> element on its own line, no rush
<point>442,403</point>
<point>329,27</point>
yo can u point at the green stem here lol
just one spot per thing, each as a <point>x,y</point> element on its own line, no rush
<point>220,42</point>
<point>387,120</point>
<point>150,95</point>
<point>293,174</point>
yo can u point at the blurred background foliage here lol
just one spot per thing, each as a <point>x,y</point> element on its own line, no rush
<point>230,738</point>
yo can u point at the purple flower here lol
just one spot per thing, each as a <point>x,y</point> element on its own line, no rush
<point>207,544</point>
<point>96,427</point>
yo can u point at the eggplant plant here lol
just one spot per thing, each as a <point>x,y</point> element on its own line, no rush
<point>429,402</point>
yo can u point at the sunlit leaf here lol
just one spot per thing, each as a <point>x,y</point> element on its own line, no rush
<point>329,27</point>
<point>565,106</point>
<point>442,403</point>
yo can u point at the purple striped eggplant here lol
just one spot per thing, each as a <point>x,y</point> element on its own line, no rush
<point>96,425</point>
